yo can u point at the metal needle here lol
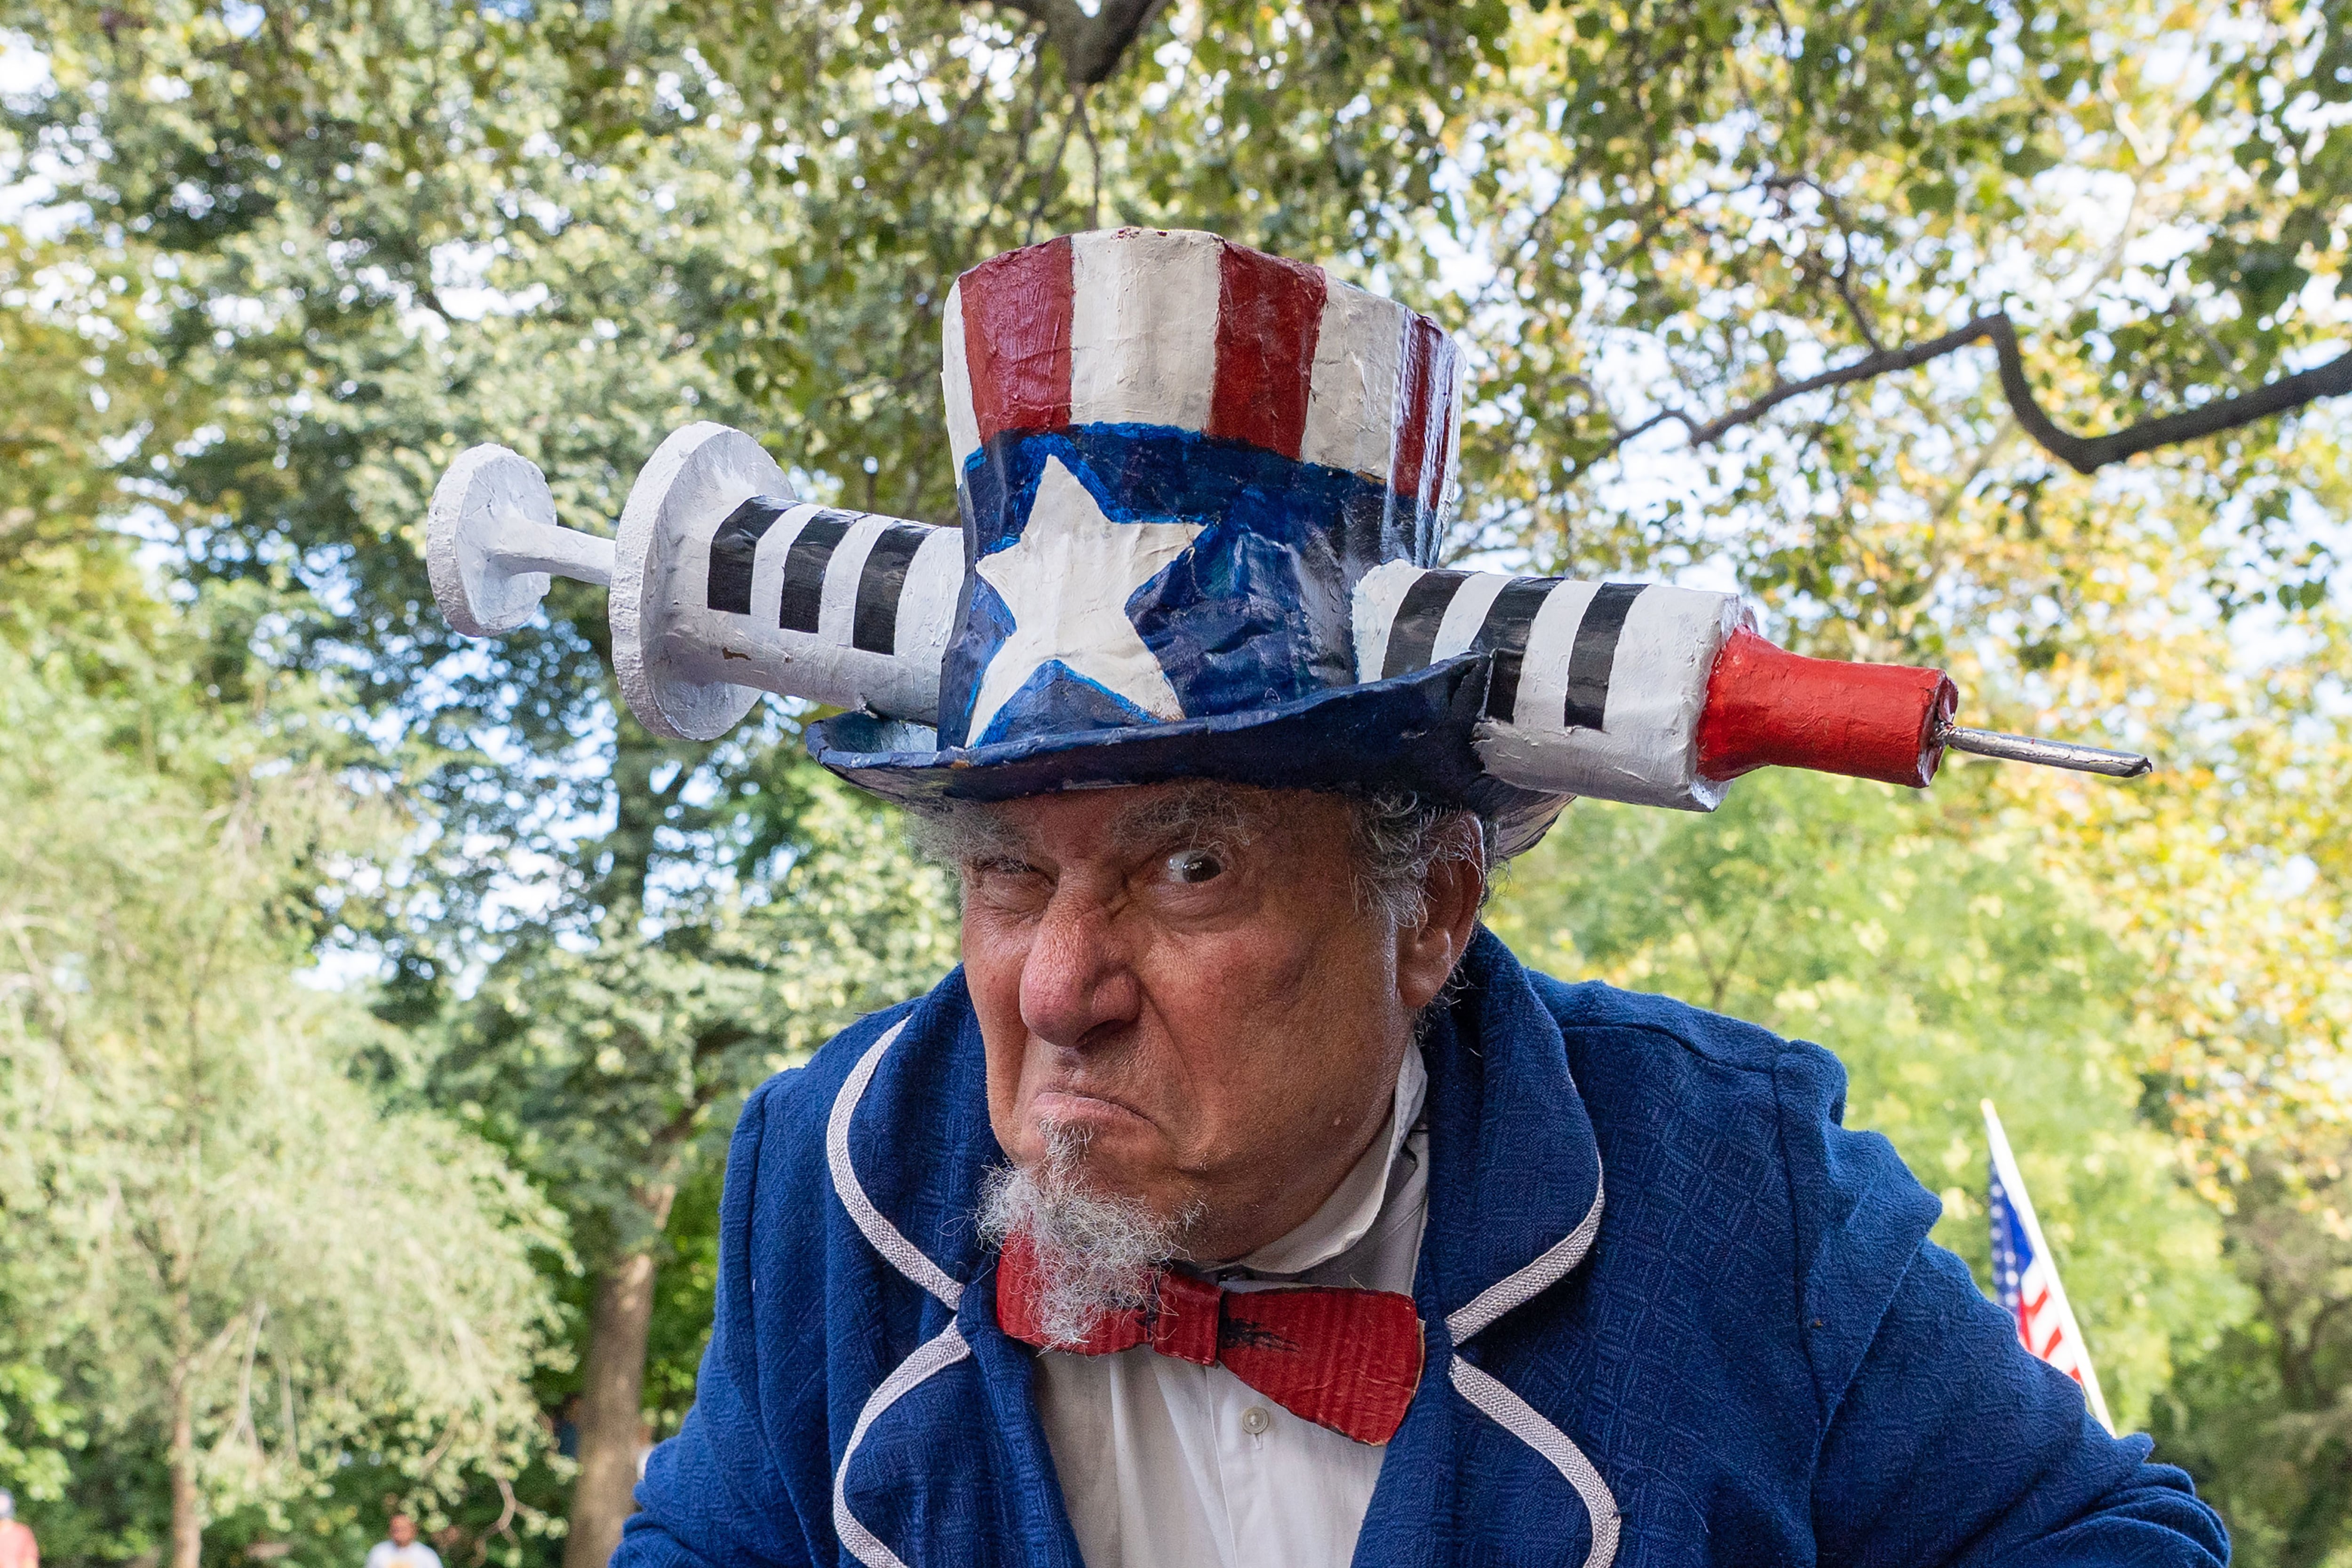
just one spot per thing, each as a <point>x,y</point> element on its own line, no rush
<point>2048,753</point>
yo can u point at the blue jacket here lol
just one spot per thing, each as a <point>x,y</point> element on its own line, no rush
<point>1749,1353</point>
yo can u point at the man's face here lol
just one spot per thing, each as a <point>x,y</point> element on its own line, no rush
<point>402,1529</point>
<point>1185,978</point>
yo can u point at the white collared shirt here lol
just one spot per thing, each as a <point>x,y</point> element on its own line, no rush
<point>1164,1464</point>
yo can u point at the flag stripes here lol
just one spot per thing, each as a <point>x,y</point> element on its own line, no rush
<point>2025,1274</point>
<point>1424,423</point>
<point>1186,331</point>
<point>1269,317</point>
<point>1013,316</point>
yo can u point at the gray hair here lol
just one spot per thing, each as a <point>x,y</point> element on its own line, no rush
<point>1398,838</point>
<point>1395,837</point>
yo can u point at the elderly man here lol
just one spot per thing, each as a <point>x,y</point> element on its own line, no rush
<point>1240,1200</point>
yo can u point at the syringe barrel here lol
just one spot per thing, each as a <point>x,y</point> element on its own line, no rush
<point>1598,687</point>
<point>1645,692</point>
<point>847,608</point>
<point>725,585</point>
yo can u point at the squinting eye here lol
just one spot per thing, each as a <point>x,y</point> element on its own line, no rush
<point>1194,865</point>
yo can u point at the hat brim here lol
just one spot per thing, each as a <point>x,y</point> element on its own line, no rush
<point>1410,732</point>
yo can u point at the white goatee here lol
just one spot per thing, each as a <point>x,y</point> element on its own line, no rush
<point>1097,1253</point>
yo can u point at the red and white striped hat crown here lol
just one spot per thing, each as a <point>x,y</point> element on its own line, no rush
<point>1114,327</point>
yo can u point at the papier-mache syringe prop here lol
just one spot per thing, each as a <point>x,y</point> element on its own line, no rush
<point>724,586</point>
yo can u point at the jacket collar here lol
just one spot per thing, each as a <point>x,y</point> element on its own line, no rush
<point>1515,1184</point>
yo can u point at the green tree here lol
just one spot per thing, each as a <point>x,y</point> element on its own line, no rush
<point>2262,1419</point>
<point>673,889</point>
<point>254,1262</point>
<point>618,1070</point>
<point>1919,940</point>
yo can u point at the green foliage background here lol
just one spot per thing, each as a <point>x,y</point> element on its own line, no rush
<point>1915,937</point>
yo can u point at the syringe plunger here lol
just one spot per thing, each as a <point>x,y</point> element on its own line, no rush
<point>724,584</point>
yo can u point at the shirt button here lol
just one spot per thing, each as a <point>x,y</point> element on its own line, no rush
<point>1255,1420</point>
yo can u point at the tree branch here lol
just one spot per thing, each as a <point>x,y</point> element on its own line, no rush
<point>1091,46</point>
<point>2083,453</point>
<point>1094,148</point>
<point>1844,278</point>
<point>1052,167</point>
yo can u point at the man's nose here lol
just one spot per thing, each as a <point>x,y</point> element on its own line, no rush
<point>1076,985</point>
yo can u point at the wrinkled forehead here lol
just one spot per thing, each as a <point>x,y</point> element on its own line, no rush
<point>1127,819</point>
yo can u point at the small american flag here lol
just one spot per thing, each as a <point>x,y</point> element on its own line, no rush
<point>2025,1276</point>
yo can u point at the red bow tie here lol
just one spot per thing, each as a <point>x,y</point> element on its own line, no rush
<point>1348,1360</point>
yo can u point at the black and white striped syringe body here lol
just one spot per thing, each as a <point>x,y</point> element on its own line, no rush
<point>847,609</point>
<point>1658,696</point>
<point>1598,687</point>
<point>724,585</point>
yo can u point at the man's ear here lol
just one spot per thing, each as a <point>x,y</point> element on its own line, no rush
<point>1452,894</point>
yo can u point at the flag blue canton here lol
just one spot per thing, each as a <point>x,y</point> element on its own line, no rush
<point>2012,1249</point>
<point>2025,1276</point>
<point>1231,567</point>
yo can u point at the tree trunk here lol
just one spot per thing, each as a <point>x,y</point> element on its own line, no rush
<point>187,1516</point>
<point>612,1401</point>
<point>611,1419</point>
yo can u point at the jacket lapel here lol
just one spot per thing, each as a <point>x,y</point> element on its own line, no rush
<point>948,1463</point>
<point>1515,1203</point>
<point>1513,1171</point>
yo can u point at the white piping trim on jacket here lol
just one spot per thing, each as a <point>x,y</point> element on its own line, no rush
<point>1517,1417</point>
<point>1519,1289</point>
<point>900,1253</point>
<point>932,1356</point>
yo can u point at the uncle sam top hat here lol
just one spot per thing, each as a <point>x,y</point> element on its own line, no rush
<point>1177,458</point>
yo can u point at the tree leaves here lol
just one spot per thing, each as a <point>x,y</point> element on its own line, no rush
<point>1919,941</point>
<point>364,234</point>
<point>199,1194</point>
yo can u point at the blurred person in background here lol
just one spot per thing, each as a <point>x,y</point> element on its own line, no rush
<point>402,1550</point>
<point>18,1549</point>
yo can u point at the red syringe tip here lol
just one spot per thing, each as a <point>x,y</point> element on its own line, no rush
<point>1767,707</point>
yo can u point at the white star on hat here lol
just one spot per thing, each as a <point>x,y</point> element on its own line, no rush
<point>1067,581</point>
